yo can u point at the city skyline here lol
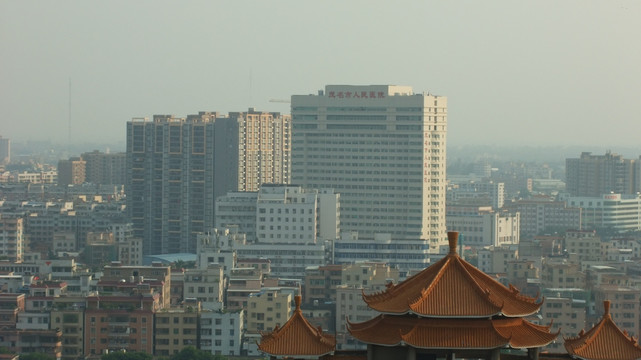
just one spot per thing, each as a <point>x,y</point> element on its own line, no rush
<point>502,64</point>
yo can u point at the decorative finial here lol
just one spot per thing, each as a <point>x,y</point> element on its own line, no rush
<point>606,307</point>
<point>297,301</point>
<point>452,238</point>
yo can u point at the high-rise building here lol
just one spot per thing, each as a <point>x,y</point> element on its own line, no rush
<point>170,188</point>
<point>177,167</point>
<point>71,171</point>
<point>381,147</point>
<point>105,168</point>
<point>252,148</point>
<point>5,151</point>
<point>595,175</point>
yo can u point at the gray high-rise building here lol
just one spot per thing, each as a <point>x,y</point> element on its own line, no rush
<point>105,168</point>
<point>252,148</point>
<point>383,148</point>
<point>177,167</point>
<point>170,186</point>
<point>5,151</point>
<point>595,175</point>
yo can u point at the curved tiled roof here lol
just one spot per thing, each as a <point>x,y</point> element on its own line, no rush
<point>452,288</point>
<point>297,338</point>
<point>605,341</point>
<point>429,333</point>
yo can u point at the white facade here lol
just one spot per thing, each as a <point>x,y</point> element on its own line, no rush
<point>281,214</point>
<point>615,211</point>
<point>206,286</point>
<point>33,320</point>
<point>221,332</point>
<point>292,215</point>
<point>383,148</point>
<point>407,255</point>
<point>491,192</point>
<point>237,209</point>
<point>481,226</point>
<point>287,260</point>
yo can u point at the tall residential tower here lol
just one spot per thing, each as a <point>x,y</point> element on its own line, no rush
<point>176,167</point>
<point>383,148</point>
<point>170,172</point>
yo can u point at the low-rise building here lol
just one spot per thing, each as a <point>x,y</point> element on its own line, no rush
<point>321,283</point>
<point>221,332</point>
<point>586,244</point>
<point>176,328</point>
<point>483,226</point>
<point>267,309</point>
<point>566,314</point>
<point>206,286</point>
<point>495,260</point>
<point>12,242</point>
<point>560,273</point>
<point>625,309</point>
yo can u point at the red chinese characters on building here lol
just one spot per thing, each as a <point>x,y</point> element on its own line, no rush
<point>356,94</point>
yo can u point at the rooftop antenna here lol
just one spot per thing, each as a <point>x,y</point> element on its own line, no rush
<point>250,86</point>
<point>69,125</point>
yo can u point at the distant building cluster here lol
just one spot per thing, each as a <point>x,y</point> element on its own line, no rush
<point>214,230</point>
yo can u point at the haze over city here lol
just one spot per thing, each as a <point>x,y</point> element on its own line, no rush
<point>544,73</point>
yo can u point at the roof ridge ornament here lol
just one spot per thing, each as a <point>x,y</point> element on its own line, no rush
<point>452,239</point>
<point>606,308</point>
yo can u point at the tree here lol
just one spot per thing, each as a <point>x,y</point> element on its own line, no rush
<point>121,355</point>
<point>182,264</point>
<point>191,353</point>
<point>36,356</point>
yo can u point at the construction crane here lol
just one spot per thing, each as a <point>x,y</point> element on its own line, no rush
<point>280,101</point>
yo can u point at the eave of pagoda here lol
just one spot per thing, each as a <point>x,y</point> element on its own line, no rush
<point>452,288</point>
<point>425,333</point>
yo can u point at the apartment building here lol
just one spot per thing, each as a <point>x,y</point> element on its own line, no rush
<point>253,148</point>
<point>206,286</point>
<point>222,332</point>
<point>105,168</point>
<point>72,171</point>
<point>483,226</point>
<point>267,309</point>
<point>540,215</point>
<point>176,328</point>
<point>595,175</point>
<point>586,244</point>
<point>12,239</point>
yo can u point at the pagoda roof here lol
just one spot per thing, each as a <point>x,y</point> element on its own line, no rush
<point>297,338</point>
<point>427,333</point>
<point>605,341</point>
<point>452,288</point>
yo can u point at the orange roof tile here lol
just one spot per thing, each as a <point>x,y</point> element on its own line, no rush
<point>297,338</point>
<point>452,287</point>
<point>430,333</point>
<point>605,341</point>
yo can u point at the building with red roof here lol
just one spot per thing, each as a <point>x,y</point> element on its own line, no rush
<point>297,339</point>
<point>450,309</point>
<point>605,341</point>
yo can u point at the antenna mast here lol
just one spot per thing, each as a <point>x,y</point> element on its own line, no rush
<point>69,125</point>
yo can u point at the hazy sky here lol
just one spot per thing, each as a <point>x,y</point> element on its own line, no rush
<point>532,72</point>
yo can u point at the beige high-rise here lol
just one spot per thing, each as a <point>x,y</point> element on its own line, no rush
<point>383,148</point>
